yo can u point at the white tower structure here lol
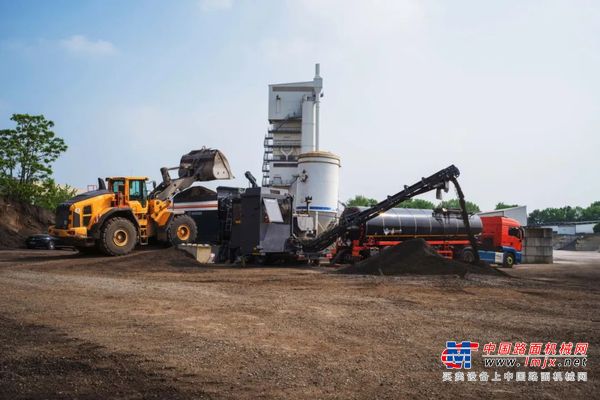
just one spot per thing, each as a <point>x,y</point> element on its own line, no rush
<point>294,129</point>
<point>293,160</point>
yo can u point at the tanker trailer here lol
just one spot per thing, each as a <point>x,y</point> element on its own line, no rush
<point>444,230</point>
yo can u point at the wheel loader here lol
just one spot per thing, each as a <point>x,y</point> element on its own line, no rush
<point>122,214</point>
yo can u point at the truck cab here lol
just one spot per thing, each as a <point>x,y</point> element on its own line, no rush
<point>501,240</point>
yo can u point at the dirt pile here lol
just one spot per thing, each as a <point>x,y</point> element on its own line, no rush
<point>150,257</point>
<point>414,257</point>
<point>19,220</point>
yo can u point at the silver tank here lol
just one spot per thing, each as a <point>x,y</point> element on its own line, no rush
<point>410,222</point>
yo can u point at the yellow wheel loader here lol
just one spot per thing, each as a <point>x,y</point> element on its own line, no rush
<point>122,214</point>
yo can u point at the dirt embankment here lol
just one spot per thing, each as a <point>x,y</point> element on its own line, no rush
<point>414,257</point>
<point>19,220</point>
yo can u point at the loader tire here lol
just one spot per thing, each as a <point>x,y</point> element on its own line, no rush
<point>182,230</point>
<point>118,237</point>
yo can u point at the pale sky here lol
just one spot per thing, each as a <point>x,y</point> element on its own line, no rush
<point>508,91</point>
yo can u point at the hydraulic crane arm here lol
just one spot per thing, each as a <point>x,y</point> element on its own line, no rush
<point>196,166</point>
<point>438,181</point>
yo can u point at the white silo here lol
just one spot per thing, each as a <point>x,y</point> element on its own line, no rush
<point>317,187</point>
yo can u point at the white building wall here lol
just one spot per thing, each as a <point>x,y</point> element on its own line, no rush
<point>584,228</point>
<point>566,229</point>
<point>517,213</point>
<point>572,228</point>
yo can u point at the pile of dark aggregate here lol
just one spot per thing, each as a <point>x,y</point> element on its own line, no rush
<point>414,257</point>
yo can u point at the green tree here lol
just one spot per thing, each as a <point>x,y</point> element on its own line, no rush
<point>417,203</point>
<point>597,228</point>
<point>592,212</point>
<point>565,214</point>
<point>49,194</point>
<point>472,208</point>
<point>361,201</point>
<point>535,218</point>
<point>26,156</point>
<point>502,206</point>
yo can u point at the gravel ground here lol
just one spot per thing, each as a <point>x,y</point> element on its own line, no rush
<point>154,325</point>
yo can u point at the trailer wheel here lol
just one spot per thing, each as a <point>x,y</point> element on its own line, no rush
<point>467,256</point>
<point>340,257</point>
<point>118,237</point>
<point>509,260</point>
<point>182,230</point>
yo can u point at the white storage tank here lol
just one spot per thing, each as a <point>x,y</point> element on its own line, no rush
<point>318,179</point>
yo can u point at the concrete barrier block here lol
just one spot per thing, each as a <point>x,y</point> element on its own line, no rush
<point>538,260</point>
<point>538,251</point>
<point>538,232</point>
<point>540,242</point>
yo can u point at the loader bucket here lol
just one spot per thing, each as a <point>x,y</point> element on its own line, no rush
<point>205,165</point>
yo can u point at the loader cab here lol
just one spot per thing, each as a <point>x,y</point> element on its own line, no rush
<point>129,192</point>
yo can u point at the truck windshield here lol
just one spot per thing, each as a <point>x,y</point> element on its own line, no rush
<point>516,232</point>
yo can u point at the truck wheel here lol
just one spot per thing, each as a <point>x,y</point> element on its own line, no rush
<point>509,260</point>
<point>50,246</point>
<point>182,230</point>
<point>467,256</point>
<point>118,237</point>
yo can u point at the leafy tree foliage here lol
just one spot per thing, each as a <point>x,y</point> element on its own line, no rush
<point>472,208</point>
<point>361,201</point>
<point>565,214</point>
<point>592,212</point>
<point>26,156</point>
<point>502,206</point>
<point>49,194</point>
<point>417,203</point>
<point>597,228</point>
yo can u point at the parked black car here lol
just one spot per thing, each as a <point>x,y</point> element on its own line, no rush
<point>43,241</point>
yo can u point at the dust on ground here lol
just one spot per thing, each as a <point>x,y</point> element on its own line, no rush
<point>151,324</point>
